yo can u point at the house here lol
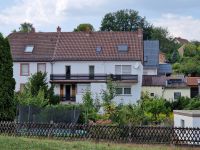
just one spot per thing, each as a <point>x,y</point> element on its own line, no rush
<point>194,84</point>
<point>187,118</point>
<point>170,88</point>
<point>152,65</point>
<point>80,61</point>
<point>182,42</point>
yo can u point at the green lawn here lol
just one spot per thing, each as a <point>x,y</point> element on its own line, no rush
<point>22,143</point>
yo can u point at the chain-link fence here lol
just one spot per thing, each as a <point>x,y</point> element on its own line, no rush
<point>46,115</point>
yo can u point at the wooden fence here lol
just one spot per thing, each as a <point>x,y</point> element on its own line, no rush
<point>123,134</point>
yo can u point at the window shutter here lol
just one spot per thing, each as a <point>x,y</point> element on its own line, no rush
<point>117,69</point>
<point>126,69</point>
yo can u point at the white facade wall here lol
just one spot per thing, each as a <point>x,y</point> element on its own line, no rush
<point>150,71</point>
<point>32,69</point>
<point>177,120</point>
<point>192,122</point>
<point>82,67</point>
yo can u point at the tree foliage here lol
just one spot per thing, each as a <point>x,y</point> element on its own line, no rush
<point>90,107</point>
<point>107,97</point>
<point>36,85</point>
<point>124,20</point>
<point>25,27</point>
<point>7,82</point>
<point>84,27</point>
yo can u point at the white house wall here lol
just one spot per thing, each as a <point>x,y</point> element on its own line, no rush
<point>82,67</point>
<point>177,120</point>
<point>101,67</point>
<point>104,67</point>
<point>192,122</point>
<point>32,69</point>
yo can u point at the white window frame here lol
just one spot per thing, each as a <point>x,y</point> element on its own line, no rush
<point>123,91</point>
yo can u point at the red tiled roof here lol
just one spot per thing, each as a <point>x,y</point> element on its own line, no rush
<point>192,81</point>
<point>44,45</point>
<point>64,46</point>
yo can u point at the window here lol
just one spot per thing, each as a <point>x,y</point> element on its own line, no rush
<point>127,91</point>
<point>122,48</point>
<point>22,85</point>
<point>91,72</point>
<point>81,88</point>
<point>122,69</point>
<point>126,69</point>
<point>41,67</point>
<point>24,70</point>
<point>119,91</point>
<point>98,49</point>
<point>182,124</point>
<point>152,94</point>
<point>29,49</point>
<point>123,91</point>
<point>177,95</point>
<point>118,69</point>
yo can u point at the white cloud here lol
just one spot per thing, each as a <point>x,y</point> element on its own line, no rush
<point>180,26</point>
<point>41,13</point>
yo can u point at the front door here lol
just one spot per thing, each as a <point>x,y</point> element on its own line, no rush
<point>67,92</point>
<point>68,71</point>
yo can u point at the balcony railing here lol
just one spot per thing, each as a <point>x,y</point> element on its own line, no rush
<point>101,77</point>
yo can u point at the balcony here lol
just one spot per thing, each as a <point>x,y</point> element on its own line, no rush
<point>92,78</point>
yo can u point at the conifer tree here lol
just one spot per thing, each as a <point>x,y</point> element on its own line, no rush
<point>7,82</point>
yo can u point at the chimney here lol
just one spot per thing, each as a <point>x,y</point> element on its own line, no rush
<point>58,29</point>
<point>140,32</point>
<point>33,30</point>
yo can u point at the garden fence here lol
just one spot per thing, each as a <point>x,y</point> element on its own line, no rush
<point>123,134</point>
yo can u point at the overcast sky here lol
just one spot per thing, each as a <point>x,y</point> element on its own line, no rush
<point>181,17</point>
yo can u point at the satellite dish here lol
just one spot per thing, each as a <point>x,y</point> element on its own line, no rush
<point>136,66</point>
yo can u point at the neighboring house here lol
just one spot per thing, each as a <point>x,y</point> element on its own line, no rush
<point>182,42</point>
<point>80,61</point>
<point>170,88</point>
<point>187,118</point>
<point>152,65</point>
<point>194,84</point>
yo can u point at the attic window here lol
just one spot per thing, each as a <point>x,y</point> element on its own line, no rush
<point>122,48</point>
<point>98,49</point>
<point>29,49</point>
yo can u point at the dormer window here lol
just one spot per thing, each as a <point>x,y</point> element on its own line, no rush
<point>122,48</point>
<point>98,49</point>
<point>29,49</point>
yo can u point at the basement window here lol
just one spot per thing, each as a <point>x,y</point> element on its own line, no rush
<point>122,48</point>
<point>29,49</point>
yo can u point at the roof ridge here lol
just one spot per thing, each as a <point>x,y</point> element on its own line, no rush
<point>57,41</point>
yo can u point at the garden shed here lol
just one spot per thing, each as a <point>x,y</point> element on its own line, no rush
<point>187,118</point>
